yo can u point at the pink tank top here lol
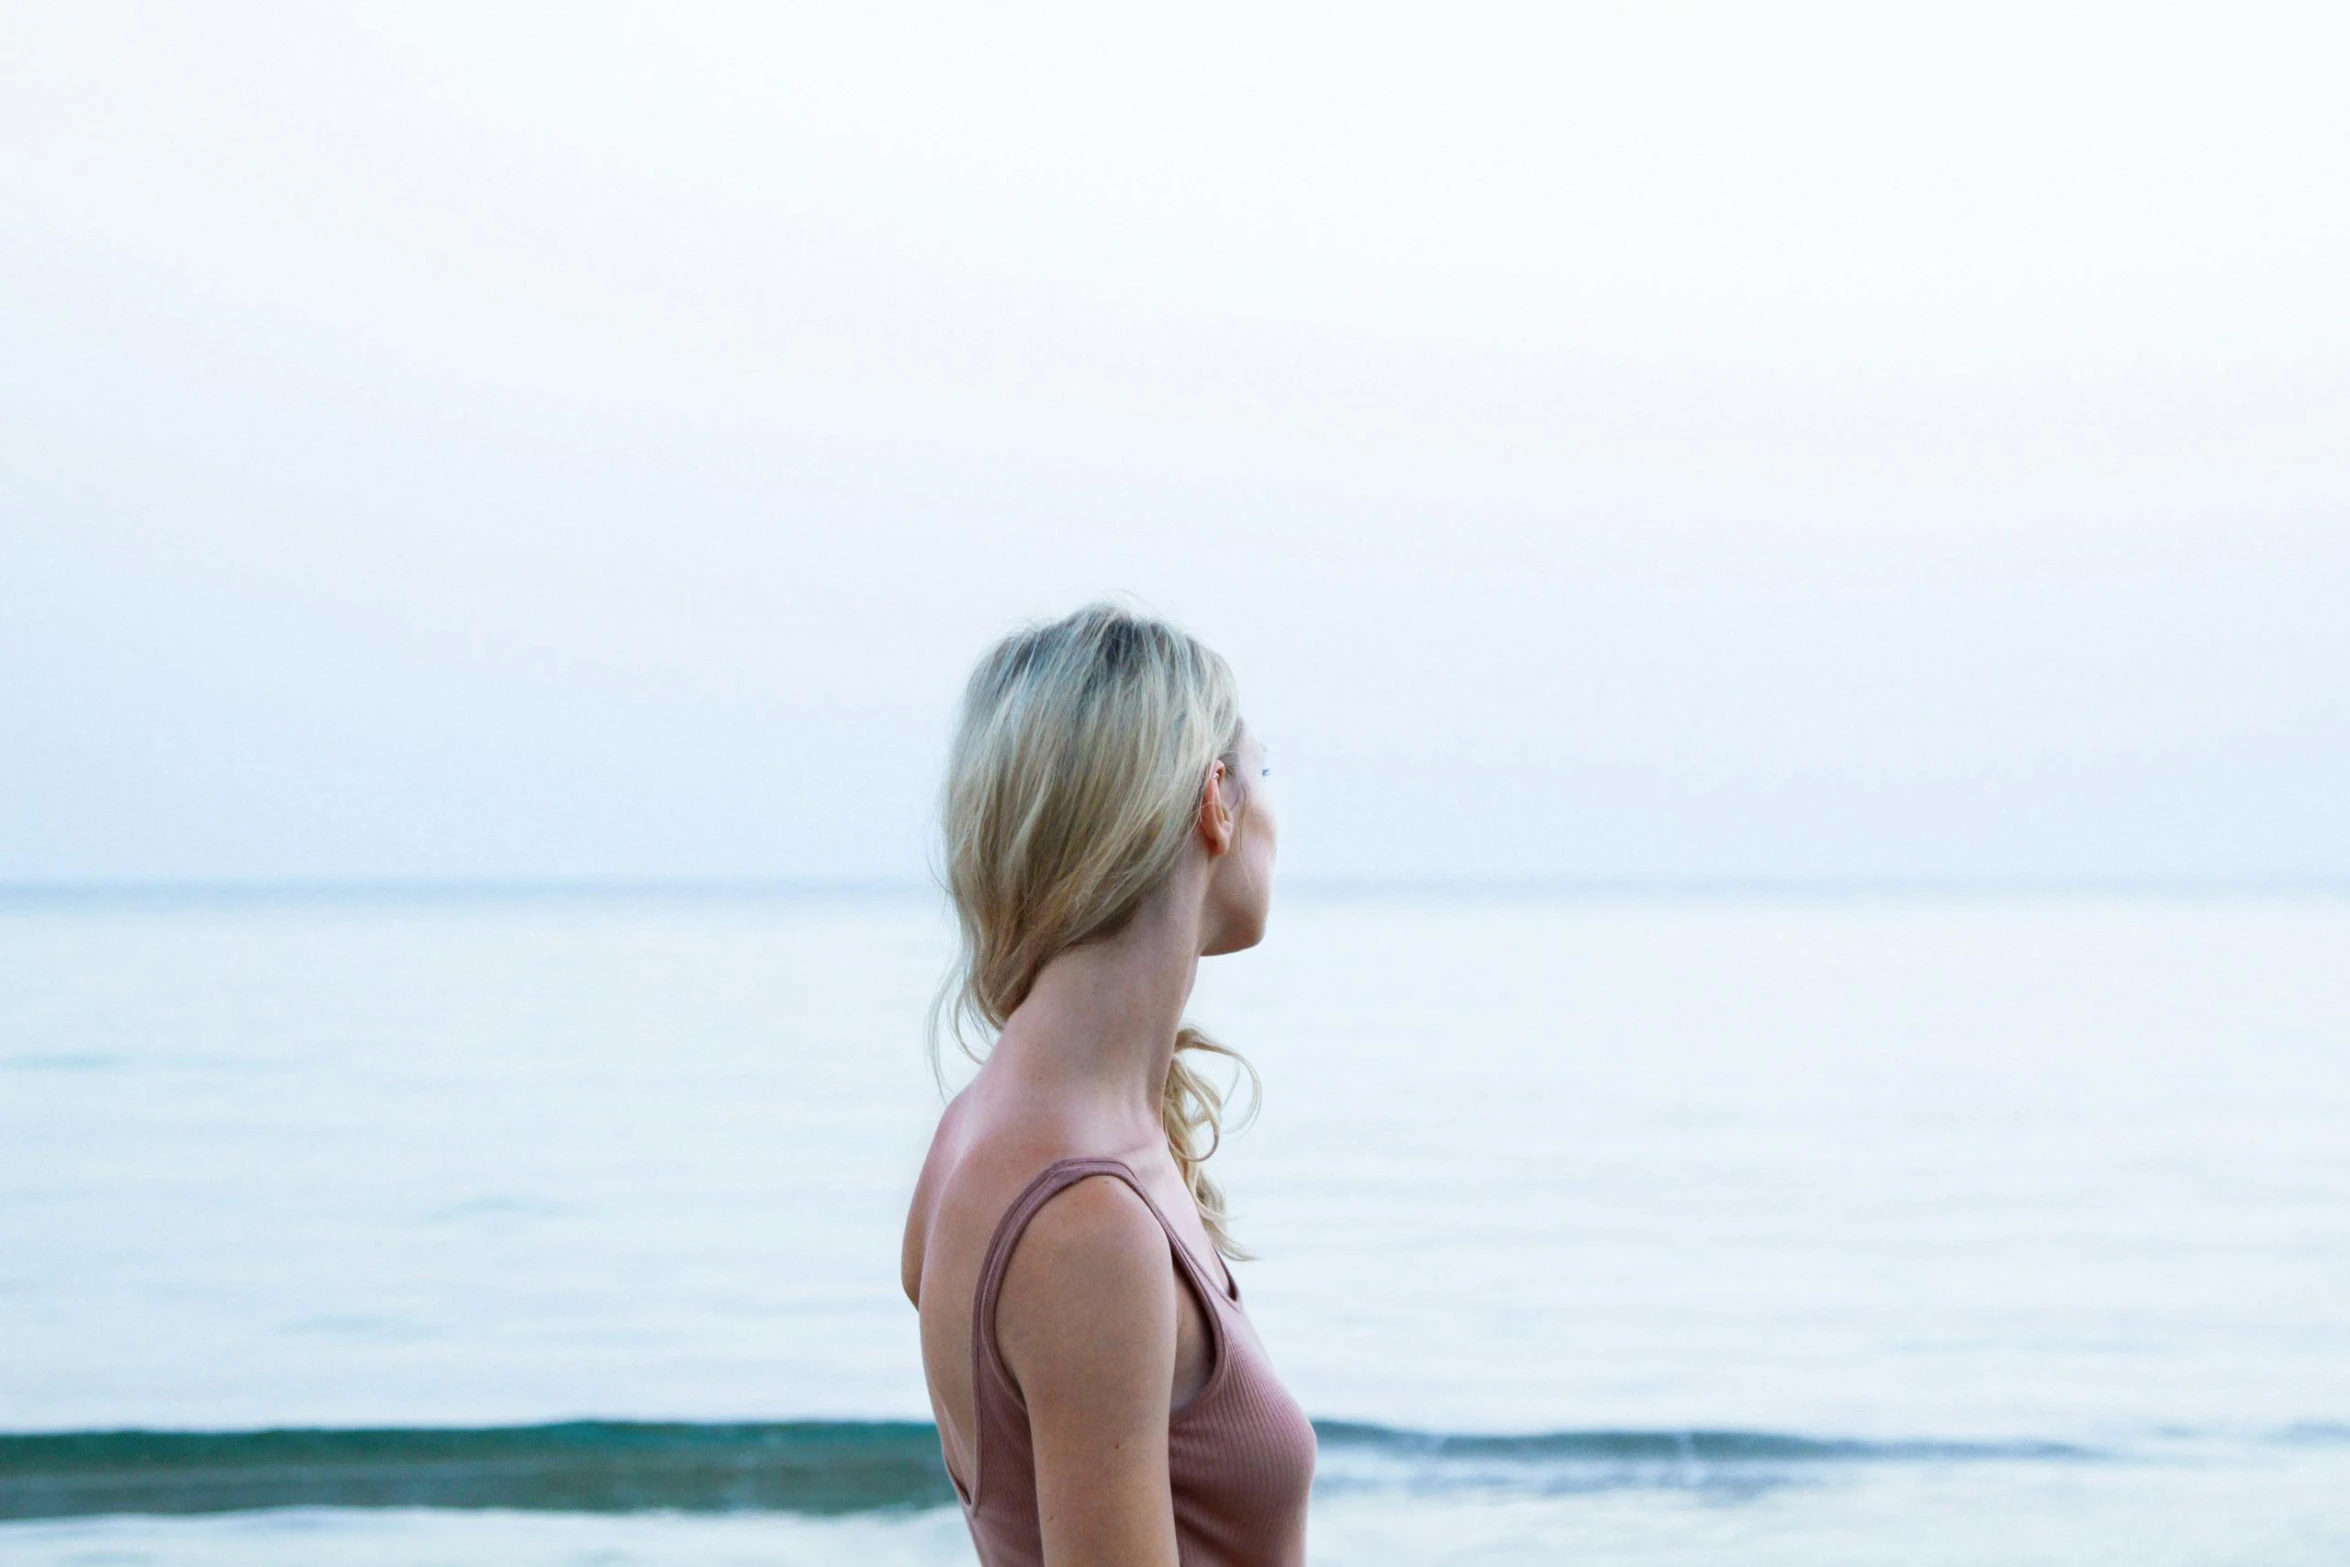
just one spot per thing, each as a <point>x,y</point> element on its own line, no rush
<point>1240,1453</point>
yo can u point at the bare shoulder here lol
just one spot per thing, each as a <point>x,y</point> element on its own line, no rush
<point>1095,1223</point>
<point>1088,1302</point>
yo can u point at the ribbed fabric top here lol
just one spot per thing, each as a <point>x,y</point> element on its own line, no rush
<point>1240,1453</point>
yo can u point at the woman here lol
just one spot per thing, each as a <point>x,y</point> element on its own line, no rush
<point>1101,1398</point>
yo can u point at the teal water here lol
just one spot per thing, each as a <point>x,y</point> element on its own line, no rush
<point>826,1467</point>
<point>1652,1230</point>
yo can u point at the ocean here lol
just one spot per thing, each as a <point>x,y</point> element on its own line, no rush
<point>431,1226</point>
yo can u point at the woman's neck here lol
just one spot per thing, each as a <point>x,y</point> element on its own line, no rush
<point>1097,1031</point>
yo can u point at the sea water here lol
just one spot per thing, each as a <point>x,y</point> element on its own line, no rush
<point>1639,1229</point>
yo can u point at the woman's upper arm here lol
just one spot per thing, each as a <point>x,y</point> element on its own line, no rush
<point>1086,1324</point>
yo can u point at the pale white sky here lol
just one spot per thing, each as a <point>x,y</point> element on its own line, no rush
<point>1653,441</point>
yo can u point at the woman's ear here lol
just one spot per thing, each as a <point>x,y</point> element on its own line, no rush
<point>1215,817</point>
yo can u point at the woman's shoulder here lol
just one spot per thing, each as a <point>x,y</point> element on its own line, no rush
<point>979,1166</point>
<point>1086,1305</point>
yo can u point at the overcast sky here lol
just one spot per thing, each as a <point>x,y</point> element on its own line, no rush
<point>1658,441</point>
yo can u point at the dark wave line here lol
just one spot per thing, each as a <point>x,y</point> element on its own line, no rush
<point>578,1466</point>
<point>817,1467</point>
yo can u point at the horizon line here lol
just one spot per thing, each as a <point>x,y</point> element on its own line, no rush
<point>1563,886</point>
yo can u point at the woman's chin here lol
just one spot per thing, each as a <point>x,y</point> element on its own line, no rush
<point>1235,935</point>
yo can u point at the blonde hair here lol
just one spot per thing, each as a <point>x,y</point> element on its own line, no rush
<point>1073,786</point>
